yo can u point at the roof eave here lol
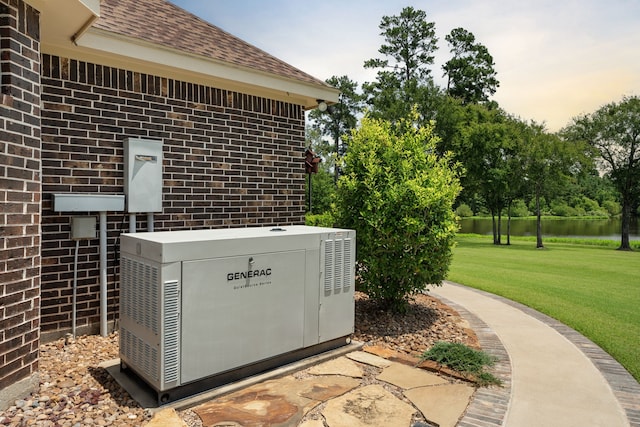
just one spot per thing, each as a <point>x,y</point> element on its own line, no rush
<point>113,49</point>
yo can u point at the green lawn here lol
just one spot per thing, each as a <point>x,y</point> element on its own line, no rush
<point>593,289</point>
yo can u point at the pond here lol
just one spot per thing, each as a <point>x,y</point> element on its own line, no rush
<point>578,228</point>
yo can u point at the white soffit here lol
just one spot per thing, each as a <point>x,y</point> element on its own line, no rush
<point>153,59</point>
<point>66,31</point>
<point>62,20</point>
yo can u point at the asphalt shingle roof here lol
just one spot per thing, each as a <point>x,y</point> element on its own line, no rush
<point>163,23</point>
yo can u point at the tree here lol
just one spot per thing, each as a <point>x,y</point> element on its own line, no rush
<point>340,118</point>
<point>320,186</point>
<point>483,144</point>
<point>470,73</point>
<point>403,78</point>
<point>549,163</point>
<point>398,195</point>
<point>614,131</point>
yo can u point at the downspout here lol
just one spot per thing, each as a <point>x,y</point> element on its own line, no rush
<point>83,29</point>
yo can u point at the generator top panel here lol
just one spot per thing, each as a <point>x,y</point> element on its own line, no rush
<point>172,246</point>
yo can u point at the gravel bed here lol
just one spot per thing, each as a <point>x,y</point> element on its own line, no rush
<point>74,391</point>
<point>426,322</point>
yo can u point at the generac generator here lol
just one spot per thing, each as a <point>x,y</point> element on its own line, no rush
<point>200,308</point>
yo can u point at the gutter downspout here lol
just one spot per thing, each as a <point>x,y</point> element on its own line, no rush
<point>83,29</point>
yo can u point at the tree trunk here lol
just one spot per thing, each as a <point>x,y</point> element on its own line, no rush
<point>539,244</point>
<point>509,224</point>
<point>496,241</point>
<point>626,220</point>
<point>336,174</point>
<point>499,227</point>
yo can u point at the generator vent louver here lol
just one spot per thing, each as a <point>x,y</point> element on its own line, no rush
<point>140,293</point>
<point>140,302</point>
<point>140,353</point>
<point>171,330</point>
<point>339,262</point>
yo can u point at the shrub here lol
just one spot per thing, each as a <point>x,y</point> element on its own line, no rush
<point>589,206</point>
<point>519,209</point>
<point>561,208</point>
<point>320,220</point>
<point>464,211</point>
<point>612,207</point>
<point>398,196</point>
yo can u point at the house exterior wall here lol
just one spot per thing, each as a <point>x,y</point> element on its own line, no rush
<point>230,160</point>
<point>19,199</point>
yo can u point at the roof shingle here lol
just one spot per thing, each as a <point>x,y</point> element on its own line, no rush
<point>163,23</point>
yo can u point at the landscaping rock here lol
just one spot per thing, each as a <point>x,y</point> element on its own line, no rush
<point>368,406</point>
<point>76,391</point>
<point>441,404</point>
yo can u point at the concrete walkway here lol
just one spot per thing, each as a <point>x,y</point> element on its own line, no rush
<point>553,381</point>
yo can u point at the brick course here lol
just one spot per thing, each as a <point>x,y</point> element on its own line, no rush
<point>19,197</point>
<point>230,160</point>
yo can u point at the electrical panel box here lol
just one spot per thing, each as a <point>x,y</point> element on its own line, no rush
<point>143,175</point>
<point>194,304</point>
<point>83,227</point>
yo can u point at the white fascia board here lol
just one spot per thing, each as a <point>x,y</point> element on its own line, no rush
<point>150,58</point>
<point>92,5</point>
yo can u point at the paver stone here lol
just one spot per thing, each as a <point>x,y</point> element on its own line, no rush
<point>407,377</point>
<point>368,406</point>
<point>442,404</point>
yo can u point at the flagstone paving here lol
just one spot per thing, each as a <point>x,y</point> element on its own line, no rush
<point>358,389</point>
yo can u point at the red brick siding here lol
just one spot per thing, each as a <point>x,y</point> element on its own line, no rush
<point>230,160</point>
<point>19,192</point>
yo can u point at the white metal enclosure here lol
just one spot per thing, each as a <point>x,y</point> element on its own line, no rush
<point>194,304</point>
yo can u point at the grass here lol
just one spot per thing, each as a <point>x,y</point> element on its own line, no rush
<point>592,288</point>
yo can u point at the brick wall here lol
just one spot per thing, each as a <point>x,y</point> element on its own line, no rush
<point>19,198</point>
<point>230,160</point>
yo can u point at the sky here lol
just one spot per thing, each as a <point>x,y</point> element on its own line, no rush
<point>555,59</point>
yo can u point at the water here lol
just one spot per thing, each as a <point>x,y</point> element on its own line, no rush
<point>579,228</point>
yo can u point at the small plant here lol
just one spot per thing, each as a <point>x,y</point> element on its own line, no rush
<point>462,358</point>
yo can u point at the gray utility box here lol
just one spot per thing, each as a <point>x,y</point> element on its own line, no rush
<point>195,304</point>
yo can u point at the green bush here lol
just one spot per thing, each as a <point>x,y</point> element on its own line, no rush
<point>464,211</point>
<point>519,209</point>
<point>612,207</point>
<point>320,220</point>
<point>398,195</point>
<point>588,205</point>
<point>561,208</point>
